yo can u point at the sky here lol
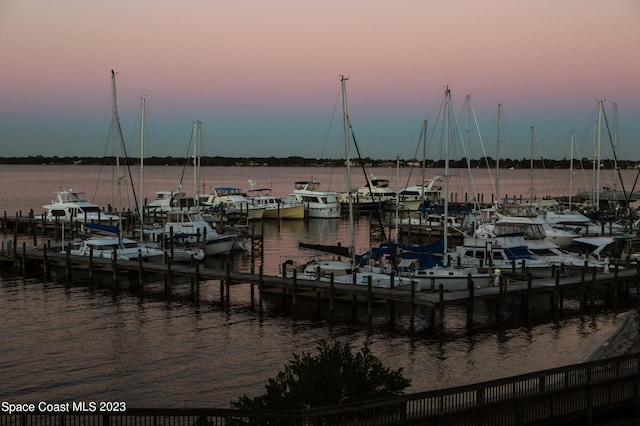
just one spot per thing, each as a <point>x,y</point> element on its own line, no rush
<point>263,76</point>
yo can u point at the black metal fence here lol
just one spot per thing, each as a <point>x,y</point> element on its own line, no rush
<point>573,393</point>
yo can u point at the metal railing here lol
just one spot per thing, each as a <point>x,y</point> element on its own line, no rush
<point>571,393</point>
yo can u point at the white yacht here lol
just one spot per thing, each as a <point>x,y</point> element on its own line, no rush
<point>275,207</point>
<point>430,191</point>
<point>374,196</point>
<point>191,230</point>
<point>232,201</point>
<point>70,205</point>
<point>317,204</point>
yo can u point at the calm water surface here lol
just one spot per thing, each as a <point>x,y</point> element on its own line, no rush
<point>66,342</point>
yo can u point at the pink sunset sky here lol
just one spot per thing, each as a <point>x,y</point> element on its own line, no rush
<point>264,76</point>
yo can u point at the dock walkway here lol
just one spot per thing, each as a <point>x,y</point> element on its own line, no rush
<point>512,286</point>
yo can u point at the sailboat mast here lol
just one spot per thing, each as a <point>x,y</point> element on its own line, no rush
<point>199,157</point>
<point>116,137</point>
<point>593,166</point>
<point>498,155</point>
<point>468,155</point>
<point>196,160</point>
<point>599,154</point>
<point>571,169</point>
<point>142,104</point>
<point>446,175</point>
<point>615,146</point>
<point>531,172</point>
<point>424,158</point>
<point>345,117</point>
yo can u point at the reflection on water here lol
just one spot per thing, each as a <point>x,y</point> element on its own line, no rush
<point>73,343</point>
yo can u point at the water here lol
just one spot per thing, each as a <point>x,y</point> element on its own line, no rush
<point>67,342</point>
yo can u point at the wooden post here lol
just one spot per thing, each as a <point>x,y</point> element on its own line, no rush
<point>294,296</point>
<point>227,266</point>
<point>392,303</point>
<point>34,230</point>
<point>593,286</point>
<point>67,262</point>
<point>45,264</point>
<point>140,274</point>
<point>441,305</point>
<point>24,259</point>
<point>471,289</point>
<point>412,307</point>
<point>171,244</point>
<point>114,266</point>
<point>369,300</point>
<point>260,284</point>
<point>637,280</point>
<point>91,266</point>
<point>558,295</point>
<point>15,243</point>
<point>332,293</point>
<point>616,285</point>
<point>167,276</point>
<point>196,292</point>
<point>583,295</point>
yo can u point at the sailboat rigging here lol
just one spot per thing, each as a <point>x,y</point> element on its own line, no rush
<point>115,244</point>
<point>336,269</point>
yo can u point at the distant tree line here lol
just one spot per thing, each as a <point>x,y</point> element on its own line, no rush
<point>296,161</point>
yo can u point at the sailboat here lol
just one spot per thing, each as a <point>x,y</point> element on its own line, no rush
<point>431,265</point>
<point>342,272</point>
<point>113,243</point>
<point>605,194</point>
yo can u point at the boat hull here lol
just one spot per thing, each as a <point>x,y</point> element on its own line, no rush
<point>293,212</point>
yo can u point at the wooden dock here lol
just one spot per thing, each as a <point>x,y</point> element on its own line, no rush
<point>513,287</point>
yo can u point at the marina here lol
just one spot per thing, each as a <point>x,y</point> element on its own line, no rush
<point>445,327</point>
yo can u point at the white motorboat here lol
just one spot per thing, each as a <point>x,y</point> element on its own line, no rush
<point>484,250</point>
<point>190,229</point>
<point>372,197</point>
<point>317,204</point>
<point>429,191</point>
<point>275,207</point>
<point>165,201</point>
<point>70,205</point>
<point>122,248</point>
<point>232,201</point>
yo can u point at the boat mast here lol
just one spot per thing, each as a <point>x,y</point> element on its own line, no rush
<point>446,175</point>
<point>345,117</point>
<point>615,148</point>
<point>199,180</point>
<point>593,166</point>
<point>531,172</point>
<point>498,155</point>
<point>197,128</point>
<point>424,158</point>
<point>599,154</point>
<point>116,137</point>
<point>142,104</point>
<point>573,132</point>
<point>468,155</point>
